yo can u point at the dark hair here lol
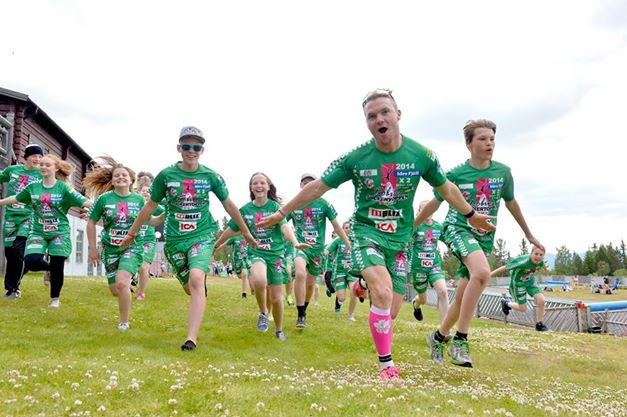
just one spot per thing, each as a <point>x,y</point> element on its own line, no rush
<point>98,180</point>
<point>271,192</point>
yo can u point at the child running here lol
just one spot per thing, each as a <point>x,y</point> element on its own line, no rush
<point>483,183</point>
<point>49,234</point>
<point>189,225</point>
<point>17,217</point>
<point>522,283</point>
<point>426,266</point>
<point>267,259</point>
<point>147,239</point>
<point>340,258</point>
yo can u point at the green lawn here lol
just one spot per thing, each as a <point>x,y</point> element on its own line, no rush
<point>584,294</point>
<point>73,361</point>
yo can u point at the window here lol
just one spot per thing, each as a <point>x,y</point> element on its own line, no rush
<point>79,246</point>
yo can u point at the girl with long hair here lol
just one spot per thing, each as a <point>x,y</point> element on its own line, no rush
<point>50,200</point>
<point>267,260</point>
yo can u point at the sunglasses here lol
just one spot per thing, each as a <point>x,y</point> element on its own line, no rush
<point>187,147</point>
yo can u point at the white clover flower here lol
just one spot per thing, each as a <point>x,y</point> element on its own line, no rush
<point>74,385</point>
<point>78,402</point>
<point>260,405</point>
<point>172,401</point>
<point>56,395</point>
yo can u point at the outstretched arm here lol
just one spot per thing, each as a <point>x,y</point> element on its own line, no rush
<point>142,217</point>
<point>315,189</point>
<point>8,200</point>
<point>498,271</point>
<point>226,235</point>
<point>233,211</point>
<point>454,197</point>
<point>514,208</point>
<point>428,210</point>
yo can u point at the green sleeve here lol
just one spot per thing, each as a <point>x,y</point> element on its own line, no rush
<point>24,196</point>
<point>331,212</point>
<point>159,210</point>
<point>73,198</point>
<point>333,246</point>
<point>157,192</point>
<point>5,175</point>
<point>517,262</point>
<point>219,187</point>
<point>338,172</point>
<point>433,172</point>
<point>508,187</point>
<point>95,213</point>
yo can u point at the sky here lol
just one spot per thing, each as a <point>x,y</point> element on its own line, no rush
<point>276,86</point>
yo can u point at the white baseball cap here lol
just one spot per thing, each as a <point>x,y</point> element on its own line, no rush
<point>308,175</point>
<point>192,132</point>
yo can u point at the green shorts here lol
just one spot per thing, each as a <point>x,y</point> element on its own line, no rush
<point>150,249</point>
<point>423,276</point>
<point>54,246</point>
<point>14,227</point>
<point>184,256</point>
<point>117,259</point>
<point>373,250</point>
<point>463,242</point>
<point>519,290</point>
<point>241,264</point>
<point>342,280</point>
<point>313,259</point>
<point>276,273</point>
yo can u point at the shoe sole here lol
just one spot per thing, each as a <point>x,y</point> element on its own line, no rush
<point>463,364</point>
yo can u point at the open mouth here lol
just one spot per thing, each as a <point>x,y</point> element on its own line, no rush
<point>383,129</point>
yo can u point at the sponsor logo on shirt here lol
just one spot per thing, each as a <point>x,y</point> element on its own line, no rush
<point>427,263</point>
<point>465,186</point>
<point>48,221</point>
<point>187,226</point>
<point>386,226</point>
<point>46,205</point>
<point>374,251</point>
<point>265,244</point>
<point>384,214</point>
<point>482,201</point>
<point>187,216</point>
<point>122,211</point>
<point>50,227</point>
<point>368,172</point>
<point>403,174</point>
<point>424,255</point>
<point>388,180</point>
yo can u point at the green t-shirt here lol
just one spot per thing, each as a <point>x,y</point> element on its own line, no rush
<point>483,190</point>
<point>146,232</point>
<point>17,178</point>
<point>186,194</point>
<point>239,248</point>
<point>521,269</point>
<point>385,185</point>
<point>310,222</point>
<point>117,213</point>
<point>340,256</point>
<point>50,207</point>
<point>271,242</point>
<point>424,245</point>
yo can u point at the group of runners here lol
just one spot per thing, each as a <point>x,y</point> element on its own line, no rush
<point>378,247</point>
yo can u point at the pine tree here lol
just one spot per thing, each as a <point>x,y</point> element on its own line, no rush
<point>524,248</point>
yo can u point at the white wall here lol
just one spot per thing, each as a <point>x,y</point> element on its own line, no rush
<point>74,265</point>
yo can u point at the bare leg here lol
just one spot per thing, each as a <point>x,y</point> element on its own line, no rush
<point>277,306</point>
<point>196,289</point>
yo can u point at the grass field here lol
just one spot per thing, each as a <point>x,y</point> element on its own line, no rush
<point>73,361</point>
<point>584,294</point>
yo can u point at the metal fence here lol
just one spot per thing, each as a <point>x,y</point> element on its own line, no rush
<point>560,315</point>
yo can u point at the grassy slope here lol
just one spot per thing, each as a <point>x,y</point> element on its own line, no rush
<point>73,361</point>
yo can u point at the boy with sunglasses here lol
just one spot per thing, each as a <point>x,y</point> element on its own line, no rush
<point>189,239</point>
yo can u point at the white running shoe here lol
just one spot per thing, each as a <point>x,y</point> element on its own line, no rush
<point>123,327</point>
<point>54,302</point>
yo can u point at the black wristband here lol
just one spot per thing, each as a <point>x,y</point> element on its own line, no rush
<point>470,214</point>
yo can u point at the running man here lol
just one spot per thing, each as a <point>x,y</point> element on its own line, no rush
<point>189,225</point>
<point>385,172</point>
<point>426,266</point>
<point>483,183</point>
<point>310,225</point>
<point>522,283</point>
<point>17,217</point>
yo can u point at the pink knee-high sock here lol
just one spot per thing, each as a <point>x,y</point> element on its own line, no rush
<point>381,328</point>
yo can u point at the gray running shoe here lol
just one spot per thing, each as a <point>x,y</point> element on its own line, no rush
<point>262,323</point>
<point>300,322</point>
<point>460,353</point>
<point>437,349</point>
<point>281,336</point>
<point>12,295</point>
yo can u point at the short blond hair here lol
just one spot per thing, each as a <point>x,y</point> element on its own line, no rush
<point>378,93</point>
<point>472,125</point>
